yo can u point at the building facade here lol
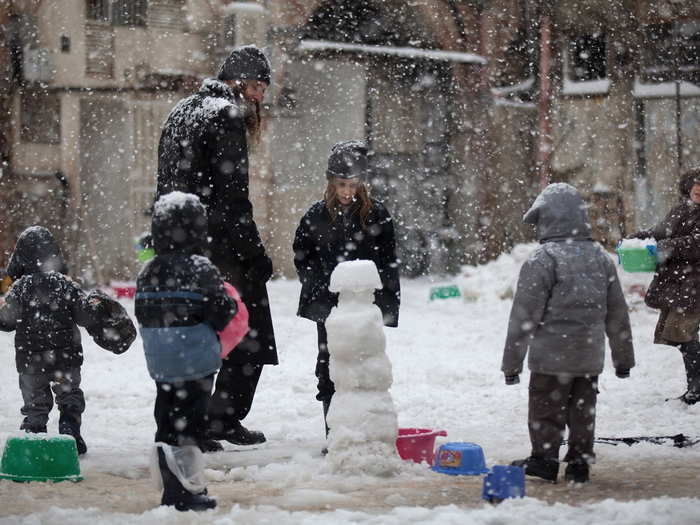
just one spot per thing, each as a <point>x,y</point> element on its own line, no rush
<point>468,107</point>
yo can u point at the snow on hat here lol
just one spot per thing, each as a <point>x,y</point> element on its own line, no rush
<point>245,63</point>
<point>179,224</point>
<point>348,160</point>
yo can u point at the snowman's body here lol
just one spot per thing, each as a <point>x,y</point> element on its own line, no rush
<point>362,418</point>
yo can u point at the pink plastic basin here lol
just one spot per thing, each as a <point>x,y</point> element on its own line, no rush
<point>417,444</point>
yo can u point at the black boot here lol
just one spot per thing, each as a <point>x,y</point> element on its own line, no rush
<point>70,425</point>
<point>691,360</point>
<point>326,407</point>
<point>542,468</point>
<point>210,445</point>
<point>240,435</point>
<point>33,429</point>
<point>174,494</point>
<point>577,472</point>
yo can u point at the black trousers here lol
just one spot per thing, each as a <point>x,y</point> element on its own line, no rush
<point>325,386</point>
<point>557,402</point>
<point>233,395</point>
<point>181,411</point>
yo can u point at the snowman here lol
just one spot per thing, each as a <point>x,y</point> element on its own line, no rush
<point>362,418</point>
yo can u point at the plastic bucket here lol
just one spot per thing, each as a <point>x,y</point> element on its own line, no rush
<point>503,482</point>
<point>460,459</point>
<point>417,444</point>
<point>637,259</point>
<point>35,458</point>
<point>125,290</point>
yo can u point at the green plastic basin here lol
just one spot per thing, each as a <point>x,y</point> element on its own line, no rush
<point>637,260</point>
<point>40,458</point>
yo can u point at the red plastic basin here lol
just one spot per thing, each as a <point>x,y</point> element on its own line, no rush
<point>125,290</point>
<point>417,444</point>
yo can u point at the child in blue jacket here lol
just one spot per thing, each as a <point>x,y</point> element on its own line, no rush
<point>180,305</point>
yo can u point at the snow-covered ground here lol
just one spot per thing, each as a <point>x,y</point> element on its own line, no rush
<point>446,357</point>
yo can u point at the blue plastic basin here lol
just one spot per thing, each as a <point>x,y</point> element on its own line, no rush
<point>466,459</point>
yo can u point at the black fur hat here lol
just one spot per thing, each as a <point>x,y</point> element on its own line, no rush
<point>348,160</point>
<point>688,180</point>
<point>245,63</point>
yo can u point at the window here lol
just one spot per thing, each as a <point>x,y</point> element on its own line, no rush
<point>167,14</point>
<point>99,51</point>
<point>129,12</point>
<point>587,58</point>
<point>586,65</point>
<point>671,51</point>
<point>118,12</point>
<point>98,10</point>
<point>40,118</point>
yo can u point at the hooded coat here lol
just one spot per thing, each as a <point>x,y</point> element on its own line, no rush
<point>180,296</point>
<point>321,243</point>
<point>203,150</point>
<point>43,307</point>
<point>676,283</point>
<point>568,296</point>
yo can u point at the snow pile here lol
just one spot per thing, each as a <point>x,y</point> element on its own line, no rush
<point>445,358</point>
<point>496,279</point>
<point>362,418</point>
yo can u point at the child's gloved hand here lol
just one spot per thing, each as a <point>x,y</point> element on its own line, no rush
<point>622,373</point>
<point>652,250</point>
<point>513,380</point>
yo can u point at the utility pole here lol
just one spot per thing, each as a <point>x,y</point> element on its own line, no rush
<point>7,79</point>
<point>544,142</point>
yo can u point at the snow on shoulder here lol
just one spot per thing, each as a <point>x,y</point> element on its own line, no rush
<point>355,276</point>
<point>173,200</point>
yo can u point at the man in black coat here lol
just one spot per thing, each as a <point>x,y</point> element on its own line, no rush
<point>204,150</point>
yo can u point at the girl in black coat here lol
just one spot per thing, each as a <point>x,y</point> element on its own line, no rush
<point>346,225</point>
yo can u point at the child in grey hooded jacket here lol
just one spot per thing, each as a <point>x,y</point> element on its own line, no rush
<point>567,300</point>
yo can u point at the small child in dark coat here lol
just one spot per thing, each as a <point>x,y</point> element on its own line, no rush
<point>44,308</point>
<point>568,300</point>
<point>180,305</point>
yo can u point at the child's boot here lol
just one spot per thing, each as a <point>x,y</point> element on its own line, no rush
<point>577,472</point>
<point>691,360</point>
<point>32,428</point>
<point>540,467</point>
<point>194,497</point>
<point>69,424</point>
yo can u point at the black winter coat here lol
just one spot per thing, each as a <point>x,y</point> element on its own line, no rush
<point>676,283</point>
<point>203,150</point>
<point>321,243</point>
<point>44,307</point>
